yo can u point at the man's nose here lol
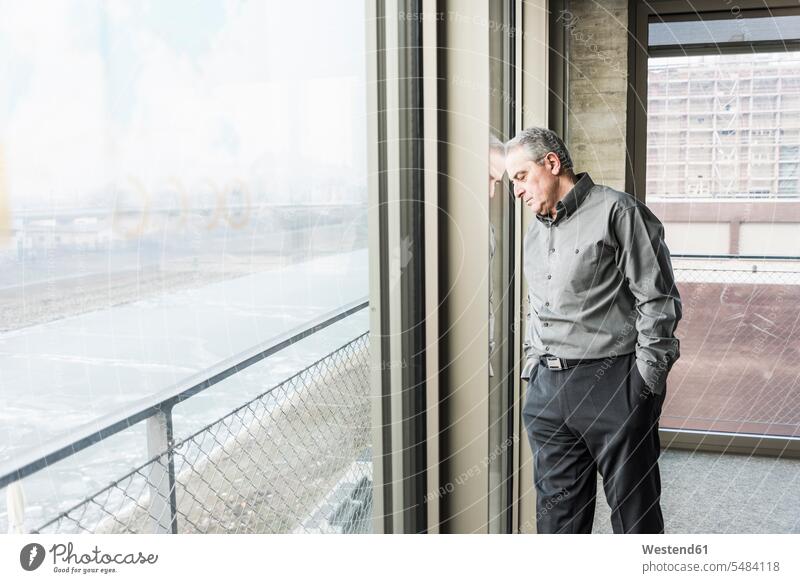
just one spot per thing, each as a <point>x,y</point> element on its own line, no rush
<point>519,190</point>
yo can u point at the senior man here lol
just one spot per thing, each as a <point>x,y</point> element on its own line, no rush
<point>602,313</point>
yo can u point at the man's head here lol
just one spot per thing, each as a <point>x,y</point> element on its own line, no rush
<point>540,167</point>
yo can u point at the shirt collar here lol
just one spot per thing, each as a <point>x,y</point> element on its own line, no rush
<point>569,204</point>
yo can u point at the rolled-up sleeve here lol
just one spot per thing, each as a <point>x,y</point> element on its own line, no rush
<point>644,260</point>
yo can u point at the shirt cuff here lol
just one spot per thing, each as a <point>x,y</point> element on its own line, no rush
<point>529,365</point>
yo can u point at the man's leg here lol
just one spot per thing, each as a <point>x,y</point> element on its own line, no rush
<point>625,442</point>
<point>564,472</point>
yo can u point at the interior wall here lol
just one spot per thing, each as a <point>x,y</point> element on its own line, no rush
<point>597,51</point>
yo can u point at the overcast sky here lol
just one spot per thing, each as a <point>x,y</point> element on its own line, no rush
<point>97,92</point>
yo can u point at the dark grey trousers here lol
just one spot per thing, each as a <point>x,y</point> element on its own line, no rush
<point>594,417</point>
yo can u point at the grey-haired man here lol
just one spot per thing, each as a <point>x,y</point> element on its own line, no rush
<point>603,308</point>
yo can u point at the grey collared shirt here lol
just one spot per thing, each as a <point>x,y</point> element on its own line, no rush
<point>600,283</point>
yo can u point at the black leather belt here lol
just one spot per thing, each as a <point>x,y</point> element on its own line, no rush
<point>556,363</point>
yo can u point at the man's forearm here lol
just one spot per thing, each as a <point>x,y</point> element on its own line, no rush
<point>655,359</point>
<point>657,347</point>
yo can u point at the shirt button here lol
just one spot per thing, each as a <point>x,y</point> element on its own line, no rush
<point>547,303</point>
<point>549,276</point>
<point>552,250</point>
<point>547,348</point>
<point>576,250</point>
<point>546,324</point>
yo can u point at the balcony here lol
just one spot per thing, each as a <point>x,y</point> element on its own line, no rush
<point>294,459</point>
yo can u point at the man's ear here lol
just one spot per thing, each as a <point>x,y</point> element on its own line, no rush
<point>555,164</point>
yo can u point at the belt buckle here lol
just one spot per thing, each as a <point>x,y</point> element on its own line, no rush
<point>554,363</point>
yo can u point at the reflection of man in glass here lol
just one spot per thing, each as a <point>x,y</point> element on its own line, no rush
<point>603,308</point>
<point>497,168</point>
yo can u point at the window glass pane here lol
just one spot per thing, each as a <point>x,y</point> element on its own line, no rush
<point>729,186</point>
<point>729,30</point>
<point>714,117</point>
<point>179,182</point>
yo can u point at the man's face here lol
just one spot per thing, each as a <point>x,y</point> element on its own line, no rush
<point>535,184</point>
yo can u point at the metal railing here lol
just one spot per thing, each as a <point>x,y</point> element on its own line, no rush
<point>732,256</point>
<point>743,269</point>
<point>296,458</point>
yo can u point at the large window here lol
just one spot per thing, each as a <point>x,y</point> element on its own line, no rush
<point>179,181</point>
<point>722,151</point>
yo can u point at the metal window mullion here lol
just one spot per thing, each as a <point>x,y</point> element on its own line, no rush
<point>392,292</point>
<point>533,93</point>
<point>431,254</point>
<point>558,72</point>
<point>517,305</point>
<point>381,476</point>
<point>412,273</point>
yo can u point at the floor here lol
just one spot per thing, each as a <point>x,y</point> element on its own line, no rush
<point>722,493</point>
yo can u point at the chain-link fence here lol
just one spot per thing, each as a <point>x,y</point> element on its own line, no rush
<point>295,459</point>
<point>736,271</point>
